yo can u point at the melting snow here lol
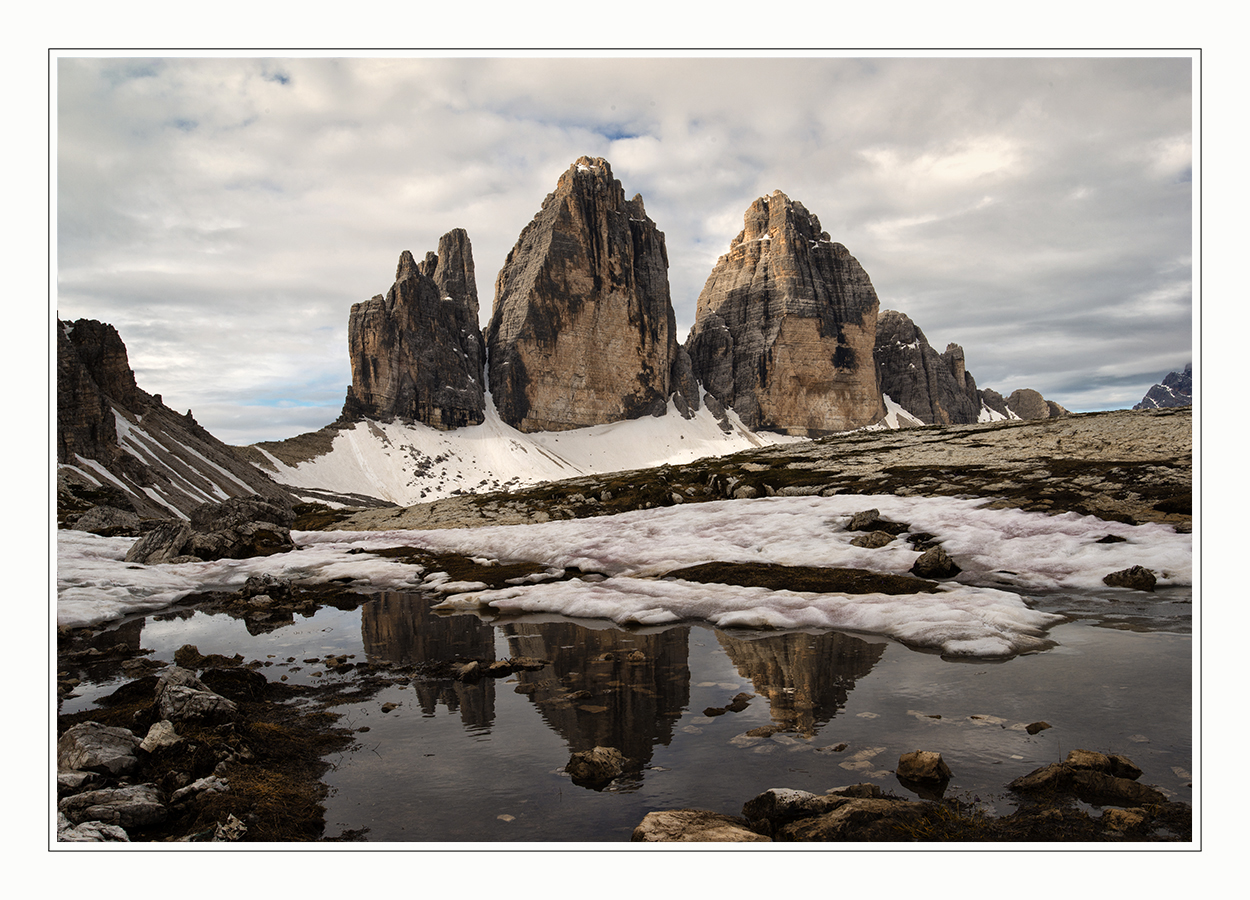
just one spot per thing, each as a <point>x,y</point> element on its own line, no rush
<point>408,463</point>
<point>1004,553</point>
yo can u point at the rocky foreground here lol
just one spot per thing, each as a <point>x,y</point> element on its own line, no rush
<point>210,749</point>
<point>1123,466</point>
<point>864,812</point>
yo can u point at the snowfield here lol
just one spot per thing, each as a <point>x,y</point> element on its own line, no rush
<point>1005,554</point>
<point>407,463</point>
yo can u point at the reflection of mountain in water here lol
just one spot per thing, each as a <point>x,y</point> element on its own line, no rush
<point>806,677</point>
<point>400,629</point>
<point>606,688</point>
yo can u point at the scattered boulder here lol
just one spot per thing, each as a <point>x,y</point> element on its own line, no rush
<point>92,747</point>
<point>238,528</point>
<point>864,520</point>
<point>1115,819</point>
<point>595,768</point>
<point>163,544</point>
<point>874,540</point>
<point>777,806</point>
<point>870,520</point>
<point>161,735</point>
<point>1035,727</point>
<point>1137,578</point>
<point>88,831</point>
<point>129,806</point>
<point>935,563</point>
<point>210,783</point>
<point>1091,777</point>
<point>690,825</point>
<point>109,521</point>
<point>180,695</point>
<point>923,766</point>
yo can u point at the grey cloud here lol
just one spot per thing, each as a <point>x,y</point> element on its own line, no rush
<point>1036,211</point>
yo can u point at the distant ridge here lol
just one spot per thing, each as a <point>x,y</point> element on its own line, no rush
<point>1177,389</point>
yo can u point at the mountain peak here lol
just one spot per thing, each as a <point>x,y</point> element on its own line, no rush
<point>583,330</point>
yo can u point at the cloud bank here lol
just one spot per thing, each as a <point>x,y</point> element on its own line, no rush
<point>224,213</point>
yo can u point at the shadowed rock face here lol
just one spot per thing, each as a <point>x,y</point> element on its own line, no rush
<point>786,325</point>
<point>1177,389</point>
<point>155,462</point>
<point>90,356</point>
<point>583,330</point>
<point>417,353</point>
<point>933,387</point>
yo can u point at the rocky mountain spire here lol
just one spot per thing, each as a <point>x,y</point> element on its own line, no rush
<point>583,330</point>
<point>417,353</point>
<point>785,327</point>
<point>935,388</point>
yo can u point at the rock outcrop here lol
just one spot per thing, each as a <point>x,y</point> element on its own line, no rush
<point>935,388</point>
<point>122,447</point>
<point>1177,389</point>
<point>239,528</point>
<point>583,331</point>
<point>418,353</point>
<point>785,327</point>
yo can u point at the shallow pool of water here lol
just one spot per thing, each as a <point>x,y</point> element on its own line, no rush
<point>483,762</point>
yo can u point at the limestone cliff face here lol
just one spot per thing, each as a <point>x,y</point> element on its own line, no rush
<point>785,327</point>
<point>935,388</point>
<point>417,353</point>
<point>583,331</point>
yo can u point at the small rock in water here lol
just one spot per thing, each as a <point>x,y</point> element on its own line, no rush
<point>1137,578</point>
<point>595,768</point>
<point>922,765</point>
<point>1036,727</point>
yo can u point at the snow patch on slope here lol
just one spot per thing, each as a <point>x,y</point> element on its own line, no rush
<point>407,463</point>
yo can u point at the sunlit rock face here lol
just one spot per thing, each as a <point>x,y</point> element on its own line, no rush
<point>583,331</point>
<point>785,327</point>
<point>418,353</point>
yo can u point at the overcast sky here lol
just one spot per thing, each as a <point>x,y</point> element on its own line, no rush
<point>225,213</point>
